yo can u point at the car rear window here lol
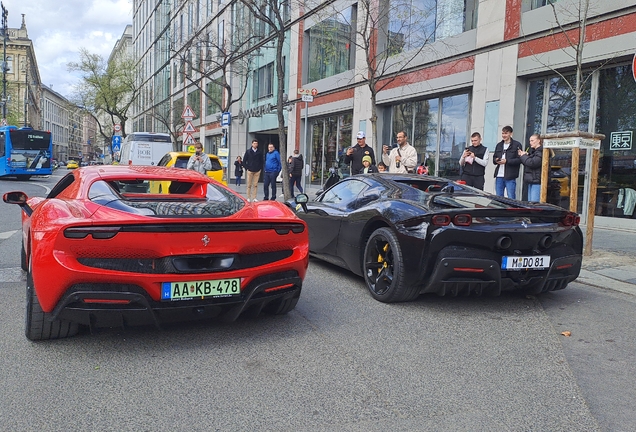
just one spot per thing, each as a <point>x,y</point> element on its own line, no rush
<point>182,162</point>
<point>184,199</point>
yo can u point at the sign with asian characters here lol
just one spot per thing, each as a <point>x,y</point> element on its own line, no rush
<point>621,141</point>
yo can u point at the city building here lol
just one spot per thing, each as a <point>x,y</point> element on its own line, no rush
<point>55,118</point>
<point>21,93</point>
<point>438,70</point>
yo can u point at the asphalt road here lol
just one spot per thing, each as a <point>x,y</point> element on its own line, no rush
<point>339,361</point>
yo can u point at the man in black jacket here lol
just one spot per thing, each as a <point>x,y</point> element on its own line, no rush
<point>355,154</point>
<point>506,157</point>
<point>253,163</point>
<point>296,171</point>
<point>474,161</point>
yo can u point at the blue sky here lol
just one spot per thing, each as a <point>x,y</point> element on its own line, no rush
<point>58,28</point>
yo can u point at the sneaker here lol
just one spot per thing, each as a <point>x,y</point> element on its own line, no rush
<point>254,200</point>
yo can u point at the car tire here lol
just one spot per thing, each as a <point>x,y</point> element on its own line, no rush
<point>38,325</point>
<point>23,258</point>
<point>383,268</point>
<point>281,306</point>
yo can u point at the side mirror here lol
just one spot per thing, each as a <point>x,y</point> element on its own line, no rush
<point>19,198</point>
<point>301,200</point>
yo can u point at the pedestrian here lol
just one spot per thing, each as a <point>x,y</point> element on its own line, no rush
<point>473,161</point>
<point>506,157</point>
<point>238,170</point>
<point>356,152</point>
<point>367,166</point>
<point>381,167</point>
<point>296,171</point>
<point>532,161</point>
<point>272,169</point>
<point>401,159</point>
<point>199,161</point>
<point>253,164</point>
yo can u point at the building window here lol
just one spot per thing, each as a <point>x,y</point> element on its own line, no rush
<point>194,100</point>
<point>263,82</point>
<point>215,98</point>
<point>330,46</point>
<point>437,128</point>
<point>415,23</point>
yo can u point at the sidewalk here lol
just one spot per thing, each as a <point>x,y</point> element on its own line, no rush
<point>612,264</point>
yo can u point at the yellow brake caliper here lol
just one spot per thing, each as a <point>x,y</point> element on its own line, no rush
<point>382,260</point>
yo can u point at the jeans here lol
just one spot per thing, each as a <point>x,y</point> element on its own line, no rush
<point>295,180</point>
<point>534,192</point>
<point>238,180</point>
<point>269,179</point>
<point>509,185</point>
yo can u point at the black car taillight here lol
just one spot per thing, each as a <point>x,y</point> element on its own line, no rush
<point>441,220</point>
<point>98,233</point>
<point>463,220</point>
<point>571,219</point>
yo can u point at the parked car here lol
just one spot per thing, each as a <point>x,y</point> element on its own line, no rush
<point>100,250</point>
<point>180,160</point>
<point>409,234</point>
<point>72,164</point>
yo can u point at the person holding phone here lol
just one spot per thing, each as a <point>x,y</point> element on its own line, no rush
<point>473,161</point>
<point>199,161</point>
<point>507,161</point>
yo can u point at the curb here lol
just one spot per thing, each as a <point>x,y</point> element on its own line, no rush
<point>587,277</point>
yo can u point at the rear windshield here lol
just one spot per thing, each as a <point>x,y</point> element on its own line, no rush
<point>149,138</point>
<point>184,199</point>
<point>182,162</point>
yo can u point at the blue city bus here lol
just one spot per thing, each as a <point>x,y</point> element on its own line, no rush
<point>25,152</point>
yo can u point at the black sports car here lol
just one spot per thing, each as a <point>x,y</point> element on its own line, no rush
<point>411,234</point>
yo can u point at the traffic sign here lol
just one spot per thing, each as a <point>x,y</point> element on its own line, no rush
<point>307,98</point>
<point>117,127</point>
<point>314,91</point>
<point>116,143</point>
<point>188,139</point>
<point>188,113</point>
<point>189,127</point>
<point>226,119</point>
<point>302,91</point>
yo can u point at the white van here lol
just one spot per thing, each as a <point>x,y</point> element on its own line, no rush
<point>145,148</point>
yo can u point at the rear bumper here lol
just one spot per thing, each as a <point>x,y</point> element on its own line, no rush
<point>112,305</point>
<point>463,276</point>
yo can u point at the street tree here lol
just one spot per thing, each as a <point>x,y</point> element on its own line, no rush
<point>391,35</point>
<point>106,90</point>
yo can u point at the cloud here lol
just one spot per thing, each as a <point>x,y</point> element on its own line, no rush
<point>59,28</point>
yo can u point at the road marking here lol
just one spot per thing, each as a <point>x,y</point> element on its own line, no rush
<point>14,274</point>
<point>5,235</point>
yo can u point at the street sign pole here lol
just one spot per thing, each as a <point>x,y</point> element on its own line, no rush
<point>305,160</point>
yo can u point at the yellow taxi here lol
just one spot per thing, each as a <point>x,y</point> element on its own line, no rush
<point>180,160</point>
<point>72,164</point>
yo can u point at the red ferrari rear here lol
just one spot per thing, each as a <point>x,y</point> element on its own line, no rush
<point>102,251</point>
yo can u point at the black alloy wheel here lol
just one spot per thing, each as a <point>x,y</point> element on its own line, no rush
<point>383,268</point>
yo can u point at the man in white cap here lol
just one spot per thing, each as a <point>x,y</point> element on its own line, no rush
<point>357,152</point>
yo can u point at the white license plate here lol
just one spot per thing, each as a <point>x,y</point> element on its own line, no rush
<point>525,262</point>
<point>200,289</point>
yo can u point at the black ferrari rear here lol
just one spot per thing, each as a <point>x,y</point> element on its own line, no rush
<point>485,252</point>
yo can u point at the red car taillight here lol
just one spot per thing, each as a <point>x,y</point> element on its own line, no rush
<point>98,233</point>
<point>571,219</point>
<point>441,220</point>
<point>463,220</point>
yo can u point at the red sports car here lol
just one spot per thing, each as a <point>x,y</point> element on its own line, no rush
<point>100,250</point>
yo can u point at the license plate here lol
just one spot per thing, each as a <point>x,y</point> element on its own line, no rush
<point>200,289</point>
<point>525,262</point>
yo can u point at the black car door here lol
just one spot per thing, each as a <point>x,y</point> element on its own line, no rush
<point>325,215</point>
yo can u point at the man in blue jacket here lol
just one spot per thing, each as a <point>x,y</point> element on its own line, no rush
<point>272,169</point>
